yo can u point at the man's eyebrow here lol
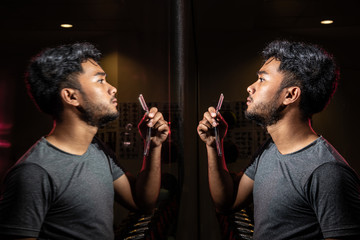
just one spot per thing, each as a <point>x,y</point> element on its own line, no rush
<point>100,74</point>
<point>262,72</point>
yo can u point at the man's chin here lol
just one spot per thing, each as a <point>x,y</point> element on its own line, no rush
<point>249,115</point>
<point>259,120</point>
<point>107,119</point>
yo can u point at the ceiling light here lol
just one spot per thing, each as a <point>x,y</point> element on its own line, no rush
<point>66,25</point>
<point>327,21</point>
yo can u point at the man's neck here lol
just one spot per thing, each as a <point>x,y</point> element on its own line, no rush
<point>291,135</point>
<point>72,136</point>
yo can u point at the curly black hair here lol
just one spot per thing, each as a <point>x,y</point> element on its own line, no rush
<point>54,69</point>
<point>309,67</point>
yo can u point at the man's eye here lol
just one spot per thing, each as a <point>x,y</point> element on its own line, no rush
<point>100,80</point>
<point>261,79</point>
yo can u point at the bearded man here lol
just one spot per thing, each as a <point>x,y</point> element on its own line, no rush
<point>302,188</point>
<point>64,186</point>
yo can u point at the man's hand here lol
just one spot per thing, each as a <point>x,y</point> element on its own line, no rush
<point>160,128</point>
<point>206,126</point>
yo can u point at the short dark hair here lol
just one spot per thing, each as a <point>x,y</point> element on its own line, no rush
<point>54,69</point>
<point>309,67</point>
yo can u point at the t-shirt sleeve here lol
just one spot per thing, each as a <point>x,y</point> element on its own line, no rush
<point>25,201</point>
<point>251,170</point>
<point>116,170</point>
<point>334,193</point>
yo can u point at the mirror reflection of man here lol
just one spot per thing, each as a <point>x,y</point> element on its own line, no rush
<point>64,186</point>
<point>301,186</point>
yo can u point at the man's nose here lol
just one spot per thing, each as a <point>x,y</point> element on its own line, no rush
<point>112,89</point>
<point>250,89</point>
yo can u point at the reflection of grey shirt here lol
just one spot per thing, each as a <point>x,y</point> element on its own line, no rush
<point>309,194</point>
<point>51,194</point>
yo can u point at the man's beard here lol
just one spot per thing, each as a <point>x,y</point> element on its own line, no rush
<point>90,114</point>
<point>266,114</point>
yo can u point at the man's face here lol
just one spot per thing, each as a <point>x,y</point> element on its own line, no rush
<point>98,104</point>
<point>264,104</point>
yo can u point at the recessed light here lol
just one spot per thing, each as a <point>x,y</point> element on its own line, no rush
<point>66,25</point>
<point>327,21</point>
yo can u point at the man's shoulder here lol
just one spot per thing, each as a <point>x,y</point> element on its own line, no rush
<point>34,153</point>
<point>45,156</point>
<point>100,146</point>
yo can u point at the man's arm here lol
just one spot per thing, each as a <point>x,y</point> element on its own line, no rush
<point>142,192</point>
<point>335,200</point>
<point>148,181</point>
<point>24,202</point>
<point>221,184</point>
<point>244,192</point>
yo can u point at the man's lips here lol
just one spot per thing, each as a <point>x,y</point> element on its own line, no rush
<point>249,100</point>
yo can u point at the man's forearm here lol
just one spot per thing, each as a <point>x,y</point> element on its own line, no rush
<point>149,180</point>
<point>220,182</point>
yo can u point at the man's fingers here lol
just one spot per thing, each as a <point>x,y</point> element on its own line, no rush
<point>152,112</point>
<point>212,112</point>
<point>205,123</point>
<point>161,125</point>
<point>154,116</point>
<point>163,128</point>
<point>210,119</point>
<point>203,128</point>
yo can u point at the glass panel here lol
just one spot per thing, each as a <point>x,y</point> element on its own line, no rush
<point>134,38</point>
<point>230,36</point>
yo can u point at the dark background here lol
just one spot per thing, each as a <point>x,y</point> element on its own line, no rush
<point>224,39</point>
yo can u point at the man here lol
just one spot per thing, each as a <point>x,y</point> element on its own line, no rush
<point>63,187</point>
<point>301,186</point>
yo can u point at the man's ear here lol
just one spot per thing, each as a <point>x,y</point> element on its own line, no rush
<point>292,95</point>
<point>70,96</point>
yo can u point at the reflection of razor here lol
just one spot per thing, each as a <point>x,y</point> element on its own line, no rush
<point>148,136</point>
<point>217,140</point>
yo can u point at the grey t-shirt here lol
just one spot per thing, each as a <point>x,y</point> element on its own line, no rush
<point>309,194</point>
<point>51,194</point>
